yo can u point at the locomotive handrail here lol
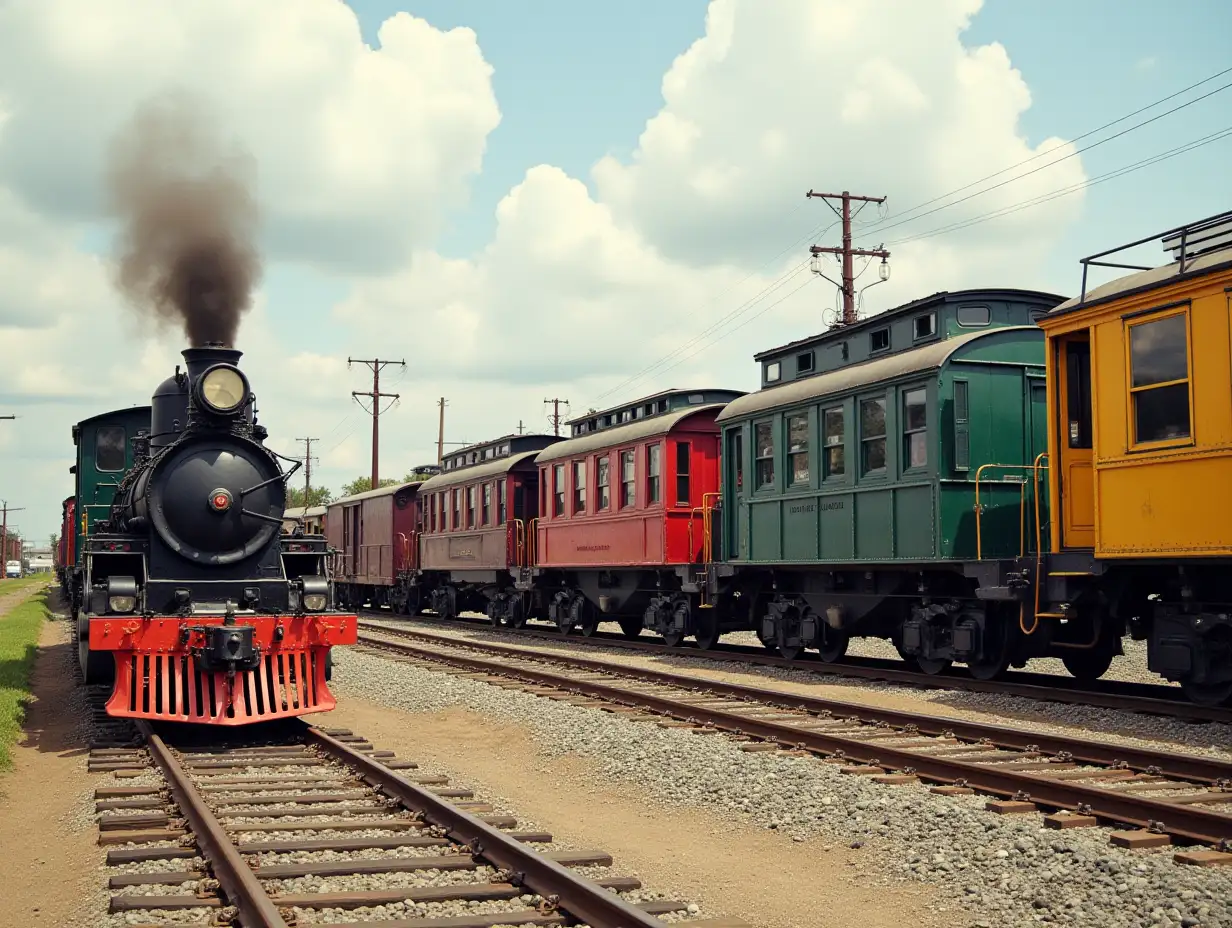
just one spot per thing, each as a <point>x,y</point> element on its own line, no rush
<point>532,542</point>
<point>1033,468</point>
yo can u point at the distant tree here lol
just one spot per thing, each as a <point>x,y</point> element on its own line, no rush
<point>362,485</point>
<point>317,496</point>
<point>53,540</point>
<point>413,475</point>
<point>591,411</point>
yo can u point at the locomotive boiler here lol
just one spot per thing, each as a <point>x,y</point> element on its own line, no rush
<point>196,607</point>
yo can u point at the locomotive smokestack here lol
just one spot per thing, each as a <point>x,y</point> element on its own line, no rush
<point>187,253</point>
<point>196,360</point>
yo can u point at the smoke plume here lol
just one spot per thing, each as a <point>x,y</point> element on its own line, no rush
<point>187,251</point>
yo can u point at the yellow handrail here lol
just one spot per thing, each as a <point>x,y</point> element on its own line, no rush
<point>1022,505</point>
<point>1039,549</point>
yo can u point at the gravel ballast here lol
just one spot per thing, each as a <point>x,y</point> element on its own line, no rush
<point>1004,870</point>
<point>1028,714</point>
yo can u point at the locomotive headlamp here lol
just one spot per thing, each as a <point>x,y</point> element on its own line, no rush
<point>222,389</point>
<point>121,594</point>
<point>315,595</point>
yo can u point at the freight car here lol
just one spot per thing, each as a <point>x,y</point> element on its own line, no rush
<point>190,600</point>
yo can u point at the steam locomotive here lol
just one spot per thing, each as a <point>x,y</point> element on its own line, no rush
<point>187,598</point>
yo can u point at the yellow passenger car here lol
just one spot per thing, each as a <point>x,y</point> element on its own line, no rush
<point>1140,453</point>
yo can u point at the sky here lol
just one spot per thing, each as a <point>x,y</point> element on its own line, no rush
<point>564,199</point>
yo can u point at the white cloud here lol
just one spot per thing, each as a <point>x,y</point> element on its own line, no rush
<point>780,97</point>
<point>361,150</point>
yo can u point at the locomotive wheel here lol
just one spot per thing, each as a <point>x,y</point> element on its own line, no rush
<point>1087,665</point>
<point>1207,694</point>
<point>590,626</point>
<point>631,627</point>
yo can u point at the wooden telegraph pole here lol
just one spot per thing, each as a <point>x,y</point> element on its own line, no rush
<point>376,364</point>
<point>848,286</point>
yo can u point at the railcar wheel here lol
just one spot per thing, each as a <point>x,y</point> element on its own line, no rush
<point>1207,694</point>
<point>1087,665</point>
<point>707,634</point>
<point>833,645</point>
<point>933,665</point>
<point>631,627</point>
<point>989,669</point>
<point>590,626</point>
<point>673,639</point>
<point>791,652</point>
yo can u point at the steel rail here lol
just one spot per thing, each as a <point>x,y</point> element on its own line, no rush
<point>581,898</point>
<point>1179,766</point>
<point>1107,694</point>
<point>1187,822</point>
<point>241,887</point>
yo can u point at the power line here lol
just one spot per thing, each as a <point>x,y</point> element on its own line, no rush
<point>1036,170</point>
<point>1073,188</point>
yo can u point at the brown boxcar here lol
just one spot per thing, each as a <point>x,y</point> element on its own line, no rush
<point>374,535</point>
<point>624,516</point>
<point>476,514</point>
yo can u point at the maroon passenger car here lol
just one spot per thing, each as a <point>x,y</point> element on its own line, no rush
<point>476,516</point>
<point>375,535</point>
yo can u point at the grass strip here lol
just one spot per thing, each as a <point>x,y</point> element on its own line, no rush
<point>19,634</point>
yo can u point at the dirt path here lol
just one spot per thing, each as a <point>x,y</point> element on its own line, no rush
<point>47,831</point>
<point>10,601</point>
<point>728,867</point>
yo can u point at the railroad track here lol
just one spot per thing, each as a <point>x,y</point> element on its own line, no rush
<point>253,831</point>
<point>1144,698</point>
<point>1153,798</point>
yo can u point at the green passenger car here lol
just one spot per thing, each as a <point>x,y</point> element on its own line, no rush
<point>851,476</point>
<point>104,455</point>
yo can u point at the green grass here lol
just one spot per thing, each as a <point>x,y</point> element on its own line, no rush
<point>19,633</point>
<point>14,585</point>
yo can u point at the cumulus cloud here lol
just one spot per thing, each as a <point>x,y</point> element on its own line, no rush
<point>360,153</point>
<point>779,97</point>
<point>361,150</point>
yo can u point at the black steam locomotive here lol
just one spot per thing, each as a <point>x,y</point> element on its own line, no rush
<point>196,606</point>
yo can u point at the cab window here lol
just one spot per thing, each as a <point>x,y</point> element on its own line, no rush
<point>1159,379</point>
<point>109,449</point>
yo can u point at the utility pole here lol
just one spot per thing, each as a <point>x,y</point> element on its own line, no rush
<point>848,286</point>
<point>440,433</point>
<point>521,428</point>
<point>8,417</point>
<point>307,466</point>
<point>376,365</point>
<point>5,509</point>
<point>555,416</point>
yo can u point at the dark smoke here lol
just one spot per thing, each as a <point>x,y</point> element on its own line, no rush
<point>187,251</point>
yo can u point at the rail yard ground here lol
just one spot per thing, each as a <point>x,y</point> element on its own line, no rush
<point>774,838</point>
<point>857,842</point>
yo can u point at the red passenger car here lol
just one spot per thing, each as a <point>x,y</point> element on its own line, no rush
<point>66,554</point>
<point>476,514</point>
<point>375,535</point>
<point>624,526</point>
